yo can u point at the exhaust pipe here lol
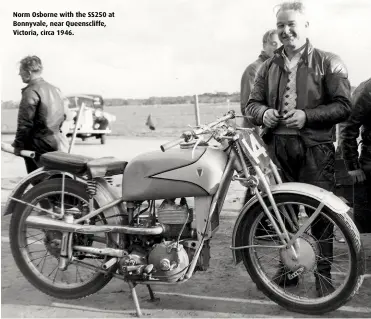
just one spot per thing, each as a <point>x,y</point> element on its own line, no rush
<point>53,224</point>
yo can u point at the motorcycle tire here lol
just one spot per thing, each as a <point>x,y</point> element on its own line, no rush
<point>20,213</point>
<point>357,262</point>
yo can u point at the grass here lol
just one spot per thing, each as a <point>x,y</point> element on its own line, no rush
<point>170,120</point>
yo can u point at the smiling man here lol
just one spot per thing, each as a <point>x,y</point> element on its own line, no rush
<point>298,96</point>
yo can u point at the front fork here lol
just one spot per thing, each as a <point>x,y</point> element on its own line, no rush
<point>254,182</point>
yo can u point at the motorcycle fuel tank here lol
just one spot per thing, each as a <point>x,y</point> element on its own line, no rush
<point>174,174</point>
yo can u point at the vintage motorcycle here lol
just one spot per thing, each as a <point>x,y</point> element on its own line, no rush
<point>71,233</point>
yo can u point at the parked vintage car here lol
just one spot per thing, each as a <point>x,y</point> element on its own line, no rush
<point>94,122</point>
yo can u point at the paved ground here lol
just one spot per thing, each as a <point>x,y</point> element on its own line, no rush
<point>224,290</point>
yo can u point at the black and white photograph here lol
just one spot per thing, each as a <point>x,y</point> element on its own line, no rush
<point>185,159</point>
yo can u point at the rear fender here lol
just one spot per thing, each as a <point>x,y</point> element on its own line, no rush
<point>107,194</point>
<point>21,187</point>
<point>330,201</point>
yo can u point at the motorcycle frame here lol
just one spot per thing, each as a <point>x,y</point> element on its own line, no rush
<point>258,184</point>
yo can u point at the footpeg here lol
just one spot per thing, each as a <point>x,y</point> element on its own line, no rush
<point>148,269</point>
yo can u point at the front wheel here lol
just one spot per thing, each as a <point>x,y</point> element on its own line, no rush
<point>325,274</point>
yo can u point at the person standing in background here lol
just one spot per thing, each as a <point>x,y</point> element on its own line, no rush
<point>270,44</point>
<point>359,167</point>
<point>40,115</point>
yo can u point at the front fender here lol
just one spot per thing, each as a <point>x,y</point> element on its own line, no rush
<point>21,187</point>
<point>331,201</point>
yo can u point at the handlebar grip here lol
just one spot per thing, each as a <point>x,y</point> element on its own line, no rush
<point>10,149</point>
<point>171,144</point>
<point>25,153</point>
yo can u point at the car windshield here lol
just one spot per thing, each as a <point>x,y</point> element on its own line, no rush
<point>93,102</point>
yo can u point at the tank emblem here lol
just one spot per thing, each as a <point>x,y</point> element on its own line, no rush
<point>200,171</point>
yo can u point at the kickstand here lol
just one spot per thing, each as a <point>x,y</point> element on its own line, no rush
<point>135,298</point>
<point>152,295</point>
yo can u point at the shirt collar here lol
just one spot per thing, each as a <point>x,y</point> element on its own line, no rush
<point>297,55</point>
<point>33,82</point>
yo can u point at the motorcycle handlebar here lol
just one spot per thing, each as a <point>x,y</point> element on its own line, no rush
<point>166,146</point>
<point>171,144</point>
<point>10,149</point>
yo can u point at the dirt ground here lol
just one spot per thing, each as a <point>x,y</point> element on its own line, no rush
<point>224,290</point>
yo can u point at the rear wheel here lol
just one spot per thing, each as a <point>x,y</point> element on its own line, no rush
<point>103,139</point>
<point>306,290</point>
<point>36,251</point>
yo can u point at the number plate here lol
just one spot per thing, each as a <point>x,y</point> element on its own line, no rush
<point>256,150</point>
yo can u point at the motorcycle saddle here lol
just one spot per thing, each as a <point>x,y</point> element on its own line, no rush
<point>81,165</point>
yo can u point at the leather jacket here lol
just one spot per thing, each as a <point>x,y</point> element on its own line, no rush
<point>360,117</point>
<point>323,93</point>
<point>247,80</point>
<point>40,116</point>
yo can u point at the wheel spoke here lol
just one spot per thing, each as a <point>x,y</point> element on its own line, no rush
<point>32,243</point>
<point>55,275</point>
<point>37,251</point>
<point>34,236</point>
<point>273,258</point>
<point>78,274</point>
<point>46,254</point>
<point>53,270</point>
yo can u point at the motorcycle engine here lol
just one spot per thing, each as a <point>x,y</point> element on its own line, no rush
<point>169,260</point>
<point>165,258</point>
<point>175,217</point>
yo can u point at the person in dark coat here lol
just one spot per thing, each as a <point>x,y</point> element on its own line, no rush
<point>41,113</point>
<point>299,95</point>
<point>270,44</point>
<point>359,165</point>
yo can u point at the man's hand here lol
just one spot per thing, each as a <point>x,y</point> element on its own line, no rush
<point>17,151</point>
<point>358,176</point>
<point>271,118</point>
<point>294,119</point>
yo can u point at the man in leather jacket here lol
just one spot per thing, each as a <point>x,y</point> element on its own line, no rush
<point>41,113</point>
<point>299,95</point>
<point>270,44</point>
<point>359,167</point>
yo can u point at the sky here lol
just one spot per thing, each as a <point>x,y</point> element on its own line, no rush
<point>170,47</point>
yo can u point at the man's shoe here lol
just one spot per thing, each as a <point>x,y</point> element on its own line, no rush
<point>282,278</point>
<point>324,285</point>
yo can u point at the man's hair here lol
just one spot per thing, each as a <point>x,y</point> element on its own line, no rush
<point>31,64</point>
<point>290,5</point>
<point>268,35</point>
